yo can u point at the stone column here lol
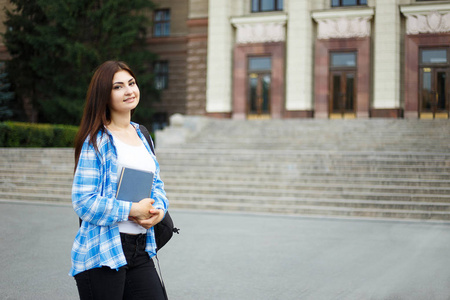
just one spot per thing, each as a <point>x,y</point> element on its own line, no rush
<point>387,56</point>
<point>219,61</point>
<point>299,52</point>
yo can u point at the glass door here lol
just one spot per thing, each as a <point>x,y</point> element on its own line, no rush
<point>442,97</point>
<point>342,94</point>
<point>259,86</point>
<point>259,95</point>
<point>342,85</point>
<point>434,84</point>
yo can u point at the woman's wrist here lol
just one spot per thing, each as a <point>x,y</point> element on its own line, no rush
<point>135,209</point>
<point>142,208</point>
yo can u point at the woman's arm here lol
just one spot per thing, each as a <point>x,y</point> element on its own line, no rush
<point>142,210</point>
<point>89,201</point>
<point>156,216</point>
<point>158,192</point>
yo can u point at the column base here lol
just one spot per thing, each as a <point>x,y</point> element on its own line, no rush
<point>298,114</point>
<point>393,113</point>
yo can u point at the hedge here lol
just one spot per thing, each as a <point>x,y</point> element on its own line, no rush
<point>17,134</point>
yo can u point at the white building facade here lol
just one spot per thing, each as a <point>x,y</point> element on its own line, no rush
<point>250,59</point>
<point>328,59</point>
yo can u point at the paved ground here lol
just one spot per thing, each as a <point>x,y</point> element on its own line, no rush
<point>237,256</point>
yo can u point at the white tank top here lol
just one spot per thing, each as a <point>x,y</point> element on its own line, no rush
<point>136,157</point>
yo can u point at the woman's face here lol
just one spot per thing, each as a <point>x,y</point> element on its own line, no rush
<point>124,94</point>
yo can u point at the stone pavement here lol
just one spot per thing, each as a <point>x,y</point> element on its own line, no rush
<point>242,256</point>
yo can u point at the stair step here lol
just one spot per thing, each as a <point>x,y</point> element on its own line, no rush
<point>54,197</point>
<point>280,188</point>
<point>314,210</point>
<point>311,181</point>
<point>230,195</point>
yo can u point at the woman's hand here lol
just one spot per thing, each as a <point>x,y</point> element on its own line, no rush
<point>156,216</point>
<point>141,210</point>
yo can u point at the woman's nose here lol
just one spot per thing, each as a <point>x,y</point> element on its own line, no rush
<point>128,90</point>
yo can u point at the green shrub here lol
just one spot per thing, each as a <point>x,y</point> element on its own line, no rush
<point>64,135</point>
<point>16,134</point>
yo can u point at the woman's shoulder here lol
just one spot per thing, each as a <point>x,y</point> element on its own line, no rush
<point>135,125</point>
<point>102,140</point>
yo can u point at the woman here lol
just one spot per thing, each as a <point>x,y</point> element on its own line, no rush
<point>111,254</point>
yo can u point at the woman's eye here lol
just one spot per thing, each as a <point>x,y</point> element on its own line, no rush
<point>132,83</point>
<point>117,87</point>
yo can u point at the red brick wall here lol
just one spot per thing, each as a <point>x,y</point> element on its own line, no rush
<point>174,50</point>
<point>196,66</point>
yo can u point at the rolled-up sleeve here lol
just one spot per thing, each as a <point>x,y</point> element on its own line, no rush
<point>158,192</point>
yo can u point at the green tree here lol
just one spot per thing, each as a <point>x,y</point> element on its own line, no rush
<point>56,45</point>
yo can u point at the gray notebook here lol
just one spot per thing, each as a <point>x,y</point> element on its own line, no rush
<point>134,185</point>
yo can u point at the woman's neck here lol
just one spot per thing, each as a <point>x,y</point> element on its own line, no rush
<point>124,131</point>
<point>119,123</point>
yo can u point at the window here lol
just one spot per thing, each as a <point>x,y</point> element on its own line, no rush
<point>433,56</point>
<point>161,72</point>
<point>343,59</point>
<point>259,63</point>
<point>266,5</point>
<point>161,23</point>
<point>337,3</point>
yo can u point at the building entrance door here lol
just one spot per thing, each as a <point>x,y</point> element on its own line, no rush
<point>259,87</point>
<point>434,94</point>
<point>259,96</point>
<point>342,85</point>
<point>342,95</point>
<point>434,84</point>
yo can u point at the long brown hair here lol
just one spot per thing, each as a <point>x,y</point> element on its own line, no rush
<point>96,113</point>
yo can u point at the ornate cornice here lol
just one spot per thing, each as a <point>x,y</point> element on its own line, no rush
<point>343,23</point>
<point>426,18</point>
<point>343,28</point>
<point>260,29</point>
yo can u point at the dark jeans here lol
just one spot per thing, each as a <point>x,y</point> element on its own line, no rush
<point>137,280</point>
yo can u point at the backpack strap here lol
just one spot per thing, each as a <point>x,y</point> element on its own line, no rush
<point>147,137</point>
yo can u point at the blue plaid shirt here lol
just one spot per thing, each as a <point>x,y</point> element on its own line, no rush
<point>97,242</point>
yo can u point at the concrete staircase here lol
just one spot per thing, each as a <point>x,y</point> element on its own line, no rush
<point>341,168</point>
<point>36,174</point>
<point>347,168</point>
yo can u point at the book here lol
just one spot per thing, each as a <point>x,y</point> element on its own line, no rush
<point>134,185</point>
